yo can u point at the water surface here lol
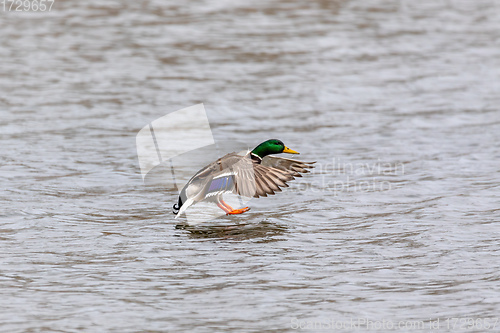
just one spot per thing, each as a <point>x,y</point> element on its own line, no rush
<point>398,103</point>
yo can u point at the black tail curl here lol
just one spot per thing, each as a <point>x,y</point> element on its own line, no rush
<point>177,206</point>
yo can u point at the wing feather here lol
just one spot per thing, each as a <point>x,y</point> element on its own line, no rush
<point>286,164</point>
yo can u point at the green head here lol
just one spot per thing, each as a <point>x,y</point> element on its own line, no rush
<point>272,146</point>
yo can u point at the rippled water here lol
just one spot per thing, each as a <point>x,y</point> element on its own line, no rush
<point>397,101</point>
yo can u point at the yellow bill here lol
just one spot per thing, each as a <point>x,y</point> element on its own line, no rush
<point>289,151</point>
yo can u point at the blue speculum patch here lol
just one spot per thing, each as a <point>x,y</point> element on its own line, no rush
<point>220,183</point>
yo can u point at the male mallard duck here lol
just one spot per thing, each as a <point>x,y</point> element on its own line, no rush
<point>252,174</point>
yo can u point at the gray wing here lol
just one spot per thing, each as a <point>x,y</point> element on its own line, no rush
<point>243,176</point>
<point>252,179</point>
<point>270,180</point>
<point>239,174</point>
<point>293,166</point>
<point>269,177</point>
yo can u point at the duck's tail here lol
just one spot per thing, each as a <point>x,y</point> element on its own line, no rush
<point>177,206</point>
<point>184,206</point>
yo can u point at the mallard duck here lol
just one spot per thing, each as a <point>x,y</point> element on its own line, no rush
<point>249,174</point>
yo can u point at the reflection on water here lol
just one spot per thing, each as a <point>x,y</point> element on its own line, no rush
<point>261,231</point>
<point>411,86</point>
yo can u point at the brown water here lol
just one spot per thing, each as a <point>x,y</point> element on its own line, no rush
<point>397,101</point>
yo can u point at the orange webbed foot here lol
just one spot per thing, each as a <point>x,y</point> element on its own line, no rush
<point>238,211</point>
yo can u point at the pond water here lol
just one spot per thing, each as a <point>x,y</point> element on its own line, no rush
<point>398,103</point>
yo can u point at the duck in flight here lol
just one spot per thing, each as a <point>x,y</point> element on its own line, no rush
<point>250,174</point>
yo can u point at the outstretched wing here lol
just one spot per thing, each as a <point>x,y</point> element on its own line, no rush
<point>241,175</point>
<point>248,178</point>
<point>293,166</point>
<point>253,179</point>
<point>270,180</point>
